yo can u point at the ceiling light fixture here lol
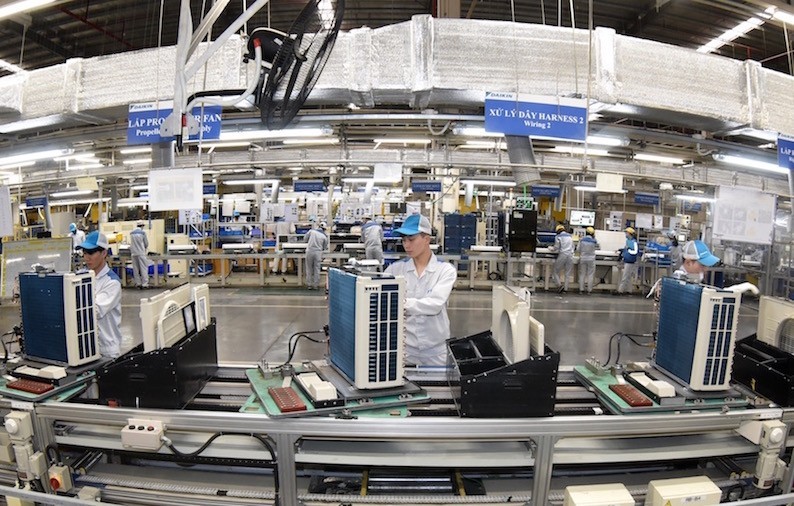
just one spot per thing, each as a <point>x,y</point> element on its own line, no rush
<point>494,144</point>
<point>783,16</point>
<point>135,151</point>
<point>241,182</point>
<point>489,182</point>
<point>18,165</point>
<point>15,160</point>
<point>71,193</point>
<point>593,189</point>
<point>576,150</point>
<point>647,157</point>
<point>298,142</point>
<point>21,6</point>
<point>695,198</point>
<point>258,135</point>
<point>230,144</point>
<point>402,140</point>
<point>750,163</point>
<point>137,161</point>
<point>85,166</point>
<point>734,33</point>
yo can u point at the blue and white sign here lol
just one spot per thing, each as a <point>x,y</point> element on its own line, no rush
<point>536,116</point>
<point>309,186</point>
<point>144,121</point>
<point>425,186</point>
<point>646,199</point>
<point>36,201</point>
<point>209,189</point>
<point>785,152</point>
<point>545,191</point>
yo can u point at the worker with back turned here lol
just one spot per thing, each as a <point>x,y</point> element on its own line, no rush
<point>317,245</point>
<point>139,248</point>
<point>587,258</point>
<point>428,283</point>
<point>563,245</point>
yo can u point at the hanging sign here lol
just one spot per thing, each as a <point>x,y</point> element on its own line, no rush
<point>144,122</point>
<point>646,199</point>
<point>545,191</point>
<point>536,116</point>
<point>425,186</point>
<point>785,152</point>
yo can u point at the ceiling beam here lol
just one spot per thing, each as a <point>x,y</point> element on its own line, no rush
<point>40,37</point>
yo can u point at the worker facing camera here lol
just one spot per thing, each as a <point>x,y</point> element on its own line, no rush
<point>428,284</point>
<point>107,294</point>
<point>696,259</point>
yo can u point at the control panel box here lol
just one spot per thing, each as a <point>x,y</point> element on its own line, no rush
<point>142,434</point>
<point>606,494</point>
<point>692,491</point>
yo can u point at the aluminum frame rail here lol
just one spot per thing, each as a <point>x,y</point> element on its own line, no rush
<point>544,432</point>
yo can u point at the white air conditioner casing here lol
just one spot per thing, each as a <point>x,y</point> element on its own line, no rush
<point>776,323</point>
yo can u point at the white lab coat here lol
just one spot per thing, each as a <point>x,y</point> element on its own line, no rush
<point>372,235</point>
<point>78,238</point>
<point>107,300</point>
<point>139,247</point>
<point>426,320</point>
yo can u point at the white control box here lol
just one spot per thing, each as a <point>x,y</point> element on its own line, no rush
<point>606,494</point>
<point>19,425</point>
<point>60,478</point>
<point>142,434</point>
<point>693,491</point>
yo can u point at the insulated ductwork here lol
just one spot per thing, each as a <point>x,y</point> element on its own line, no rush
<point>520,152</point>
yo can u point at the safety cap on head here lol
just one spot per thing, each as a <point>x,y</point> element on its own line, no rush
<point>631,231</point>
<point>72,227</point>
<point>95,240</point>
<point>590,231</point>
<point>140,223</point>
<point>559,228</point>
<point>697,250</point>
<point>323,225</point>
<point>235,214</point>
<point>415,224</point>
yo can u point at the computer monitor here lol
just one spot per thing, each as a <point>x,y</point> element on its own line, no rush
<point>582,218</point>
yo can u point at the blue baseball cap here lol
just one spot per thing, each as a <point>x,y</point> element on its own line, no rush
<point>415,224</point>
<point>72,227</point>
<point>697,250</point>
<point>95,240</point>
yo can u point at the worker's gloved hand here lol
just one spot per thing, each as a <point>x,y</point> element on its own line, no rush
<point>743,288</point>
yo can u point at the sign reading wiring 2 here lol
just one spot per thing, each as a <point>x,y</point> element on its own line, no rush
<point>536,116</point>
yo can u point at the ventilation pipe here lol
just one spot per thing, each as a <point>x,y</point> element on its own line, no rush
<point>469,194</point>
<point>520,152</point>
<point>274,192</point>
<point>367,198</point>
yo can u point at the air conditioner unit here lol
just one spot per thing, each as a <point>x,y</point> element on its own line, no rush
<point>366,328</point>
<point>776,323</point>
<point>697,334</point>
<point>59,317</point>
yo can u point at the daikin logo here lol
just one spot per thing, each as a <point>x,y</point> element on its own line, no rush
<point>500,95</point>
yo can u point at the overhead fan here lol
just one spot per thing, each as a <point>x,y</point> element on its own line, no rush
<point>299,62</point>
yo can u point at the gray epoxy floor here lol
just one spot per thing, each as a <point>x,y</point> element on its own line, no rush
<point>254,322</point>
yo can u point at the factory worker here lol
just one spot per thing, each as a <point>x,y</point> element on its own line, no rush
<point>630,253</point>
<point>77,235</point>
<point>428,283</point>
<point>317,244</point>
<point>563,245</point>
<point>696,260</point>
<point>139,247</point>
<point>675,252</point>
<point>107,294</point>
<point>372,237</point>
<point>587,258</point>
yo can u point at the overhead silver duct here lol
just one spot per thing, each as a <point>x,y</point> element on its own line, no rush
<point>520,152</point>
<point>274,192</point>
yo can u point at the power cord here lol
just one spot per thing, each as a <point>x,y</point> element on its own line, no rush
<point>292,343</point>
<point>630,337</point>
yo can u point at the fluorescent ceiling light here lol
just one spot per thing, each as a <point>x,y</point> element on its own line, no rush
<point>489,182</point>
<point>137,161</point>
<point>593,189</point>
<point>734,33</point>
<point>764,135</point>
<point>76,156</point>
<point>402,140</point>
<point>603,140</point>
<point>751,163</point>
<point>10,67</point>
<point>77,201</point>
<point>85,166</point>
<point>15,160</point>
<point>776,13</point>
<point>495,144</point>
<point>21,6</point>
<point>287,142</point>
<point>230,144</point>
<point>140,187</point>
<point>354,180</point>
<point>470,131</point>
<point>18,165</point>
<point>695,198</point>
<point>135,151</point>
<point>71,193</point>
<point>258,135</point>
<point>647,157</point>
<point>577,150</point>
<point>240,182</point>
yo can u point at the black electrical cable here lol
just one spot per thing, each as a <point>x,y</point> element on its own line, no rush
<point>49,450</point>
<point>258,437</point>
<point>630,337</point>
<point>293,345</point>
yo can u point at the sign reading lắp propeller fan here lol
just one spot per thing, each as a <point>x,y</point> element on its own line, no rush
<point>536,116</point>
<point>785,152</point>
<point>175,189</point>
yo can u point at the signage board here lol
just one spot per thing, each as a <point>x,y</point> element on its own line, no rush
<point>536,116</point>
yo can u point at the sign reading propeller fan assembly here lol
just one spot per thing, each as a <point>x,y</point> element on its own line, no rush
<point>289,64</point>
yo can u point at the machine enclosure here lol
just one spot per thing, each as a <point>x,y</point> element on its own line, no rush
<point>491,387</point>
<point>167,378</point>
<point>765,369</point>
